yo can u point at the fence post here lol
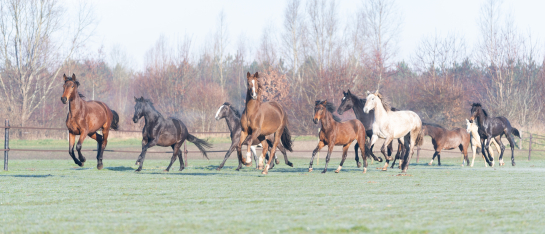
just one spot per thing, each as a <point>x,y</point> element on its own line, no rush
<point>530,147</point>
<point>417,154</point>
<point>6,146</point>
<point>185,155</point>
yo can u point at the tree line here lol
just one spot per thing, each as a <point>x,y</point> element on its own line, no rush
<point>315,54</point>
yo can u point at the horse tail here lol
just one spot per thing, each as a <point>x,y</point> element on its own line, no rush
<point>516,133</point>
<point>115,121</point>
<point>420,138</point>
<point>286,139</point>
<point>200,143</point>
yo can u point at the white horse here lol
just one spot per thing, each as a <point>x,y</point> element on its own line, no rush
<point>392,125</point>
<point>473,130</point>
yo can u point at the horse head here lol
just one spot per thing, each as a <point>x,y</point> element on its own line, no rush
<point>253,85</point>
<point>470,126</point>
<point>223,111</point>
<point>319,111</point>
<point>138,109</point>
<point>346,103</point>
<point>70,88</point>
<point>373,99</point>
<point>476,110</point>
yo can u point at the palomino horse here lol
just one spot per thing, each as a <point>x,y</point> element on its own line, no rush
<point>232,118</point>
<point>85,118</point>
<point>261,119</point>
<point>334,132</point>
<point>442,138</point>
<point>394,125</point>
<point>351,101</point>
<point>491,128</point>
<point>473,130</point>
<point>163,132</point>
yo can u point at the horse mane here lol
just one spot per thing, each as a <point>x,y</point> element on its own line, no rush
<point>330,108</point>
<point>385,103</point>
<point>433,125</point>
<point>70,79</point>
<point>479,105</point>
<point>235,111</point>
<point>81,95</point>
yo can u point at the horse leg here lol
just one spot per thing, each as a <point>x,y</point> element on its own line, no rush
<point>512,144</point>
<point>260,159</point>
<point>383,150</point>
<point>71,142</point>
<point>239,157</point>
<point>399,149</point>
<point>432,158</point>
<point>145,148</point>
<point>321,145</point>
<point>463,148</point>
<point>487,145</point>
<point>329,151</point>
<point>283,150</point>
<point>264,152</point>
<point>173,159</point>
<point>79,145</point>
<point>357,158</point>
<point>483,152</point>
<point>100,139</point>
<point>244,138</point>
<point>277,136</point>
<point>439,158</point>
<point>181,158</point>
<point>474,150</point>
<point>231,149</point>
<point>345,153</point>
<point>410,141</point>
<point>361,141</point>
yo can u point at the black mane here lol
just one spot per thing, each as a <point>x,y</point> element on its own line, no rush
<point>433,125</point>
<point>479,105</point>
<point>330,108</point>
<point>235,111</point>
<point>70,79</point>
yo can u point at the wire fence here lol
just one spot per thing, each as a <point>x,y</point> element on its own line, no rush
<point>531,141</point>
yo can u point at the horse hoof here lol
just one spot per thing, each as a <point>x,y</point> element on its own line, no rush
<point>218,169</point>
<point>277,161</point>
<point>324,171</point>
<point>248,164</point>
<point>138,170</point>
<point>429,164</point>
<point>81,164</point>
<point>359,164</point>
<point>385,169</point>
<point>260,168</point>
<point>404,171</point>
<point>165,170</point>
<point>364,170</point>
<point>136,163</point>
<point>290,164</point>
<point>513,163</point>
<point>181,169</point>
<point>100,166</point>
<point>338,169</point>
<point>264,172</point>
<point>310,170</point>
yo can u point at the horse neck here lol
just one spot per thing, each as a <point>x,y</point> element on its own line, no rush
<point>357,107</point>
<point>380,112</point>
<point>481,118</point>
<point>433,132</point>
<point>76,104</point>
<point>253,105</point>
<point>327,121</point>
<point>151,115</point>
<point>232,120</point>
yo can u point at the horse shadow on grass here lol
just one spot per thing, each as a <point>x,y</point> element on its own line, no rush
<point>121,168</point>
<point>185,173</point>
<point>29,176</point>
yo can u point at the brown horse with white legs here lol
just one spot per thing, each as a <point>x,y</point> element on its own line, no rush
<point>446,139</point>
<point>261,119</point>
<point>334,132</point>
<point>85,118</point>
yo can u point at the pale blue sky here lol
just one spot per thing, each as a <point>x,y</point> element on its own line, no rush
<point>136,25</point>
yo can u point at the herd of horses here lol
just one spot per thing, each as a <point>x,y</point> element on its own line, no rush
<point>265,123</point>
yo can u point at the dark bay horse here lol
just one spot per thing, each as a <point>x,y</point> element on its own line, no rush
<point>442,138</point>
<point>85,118</point>
<point>232,118</point>
<point>492,127</point>
<point>352,101</point>
<point>334,132</point>
<point>163,132</point>
<point>261,119</point>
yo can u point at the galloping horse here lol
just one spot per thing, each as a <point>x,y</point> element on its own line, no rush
<point>85,118</point>
<point>163,132</point>
<point>473,130</point>
<point>394,125</point>
<point>334,132</point>
<point>493,127</point>
<point>261,119</point>
<point>446,139</point>
<point>352,101</point>
<point>232,118</point>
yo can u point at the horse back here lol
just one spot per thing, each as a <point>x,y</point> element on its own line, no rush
<point>270,117</point>
<point>349,131</point>
<point>93,115</point>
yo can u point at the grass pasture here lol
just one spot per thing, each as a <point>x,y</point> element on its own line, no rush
<point>55,196</point>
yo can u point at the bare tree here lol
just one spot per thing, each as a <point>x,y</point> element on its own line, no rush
<point>292,38</point>
<point>221,41</point>
<point>37,37</point>
<point>384,24</point>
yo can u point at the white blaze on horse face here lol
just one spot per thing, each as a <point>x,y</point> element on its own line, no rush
<point>219,110</point>
<point>253,89</point>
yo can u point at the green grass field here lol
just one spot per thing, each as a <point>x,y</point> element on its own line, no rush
<point>54,196</point>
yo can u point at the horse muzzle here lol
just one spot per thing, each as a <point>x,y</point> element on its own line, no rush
<point>135,120</point>
<point>366,110</point>
<point>63,99</point>
<point>471,120</point>
<point>254,97</point>
<point>315,120</point>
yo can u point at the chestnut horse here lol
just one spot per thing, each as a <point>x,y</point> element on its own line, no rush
<point>442,138</point>
<point>473,130</point>
<point>261,119</point>
<point>334,132</point>
<point>85,118</point>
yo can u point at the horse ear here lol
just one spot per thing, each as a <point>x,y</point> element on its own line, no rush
<point>376,92</point>
<point>248,75</point>
<point>317,102</point>
<point>73,76</point>
<point>135,99</point>
<point>367,92</point>
<point>348,92</point>
<point>64,76</point>
<point>467,121</point>
<point>325,102</point>
<point>256,75</point>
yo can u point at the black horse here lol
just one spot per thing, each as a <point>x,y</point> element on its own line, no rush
<point>352,101</point>
<point>493,127</point>
<point>232,118</point>
<point>163,132</point>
